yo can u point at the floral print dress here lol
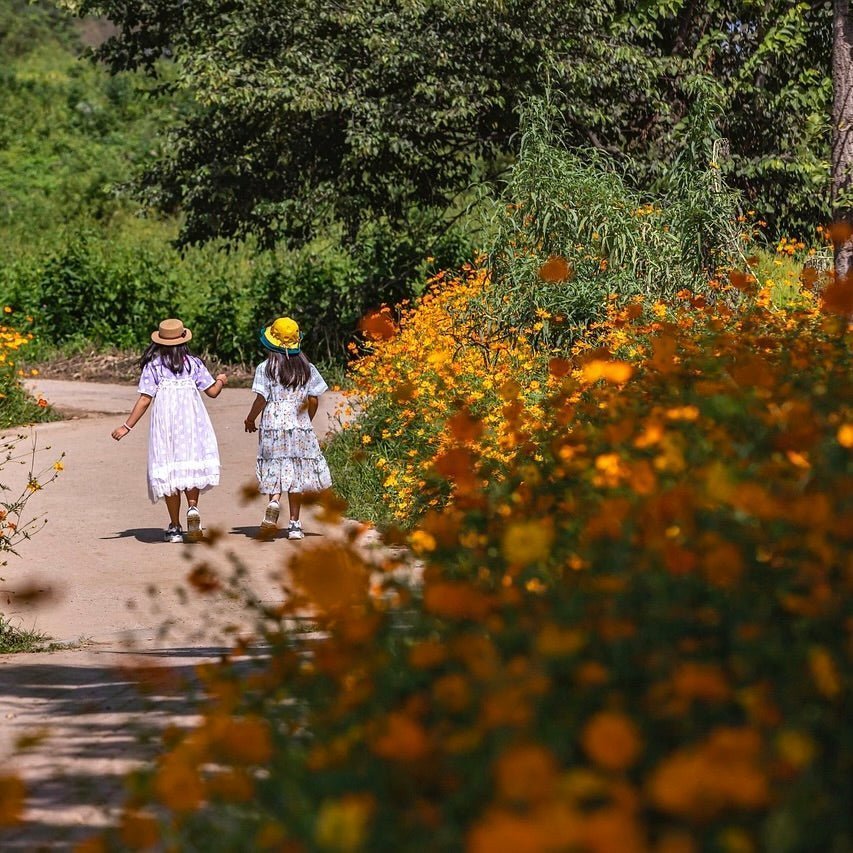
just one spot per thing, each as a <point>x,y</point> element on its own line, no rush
<point>289,456</point>
<point>182,449</point>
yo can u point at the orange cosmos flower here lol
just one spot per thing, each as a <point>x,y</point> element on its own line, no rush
<point>611,740</point>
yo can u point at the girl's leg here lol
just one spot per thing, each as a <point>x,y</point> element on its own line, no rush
<point>295,501</point>
<point>173,504</point>
<point>192,497</point>
<point>270,521</point>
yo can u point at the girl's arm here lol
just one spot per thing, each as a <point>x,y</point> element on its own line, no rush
<point>218,384</point>
<point>140,407</point>
<point>311,404</point>
<point>258,405</point>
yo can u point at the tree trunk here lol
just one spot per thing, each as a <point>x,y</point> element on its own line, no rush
<point>842,132</point>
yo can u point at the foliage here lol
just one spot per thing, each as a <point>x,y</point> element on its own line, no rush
<point>16,406</point>
<point>771,62</point>
<point>23,23</point>
<point>77,258</point>
<point>90,287</point>
<point>314,114</point>
<point>571,230</point>
<point>70,134</point>
<point>307,114</point>
<point>631,635</point>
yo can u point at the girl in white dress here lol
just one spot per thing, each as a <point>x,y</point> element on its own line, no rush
<point>286,389</point>
<point>182,452</point>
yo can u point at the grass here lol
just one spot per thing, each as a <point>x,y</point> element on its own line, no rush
<point>17,640</point>
<point>14,639</point>
<point>18,408</point>
<point>359,484</point>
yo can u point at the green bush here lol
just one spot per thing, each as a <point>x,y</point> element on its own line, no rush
<point>75,255</point>
<point>578,208</point>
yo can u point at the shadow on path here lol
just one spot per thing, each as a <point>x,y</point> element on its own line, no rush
<point>254,532</point>
<point>141,534</point>
<point>91,719</point>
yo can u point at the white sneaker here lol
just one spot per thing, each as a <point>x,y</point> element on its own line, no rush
<point>270,521</point>
<point>193,524</point>
<point>173,533</point>
<point>295,530</point>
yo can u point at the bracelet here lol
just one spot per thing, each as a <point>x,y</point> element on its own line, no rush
<point>128,428</point>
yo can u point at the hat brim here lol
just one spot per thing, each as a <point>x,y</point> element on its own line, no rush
<point>270,344</point>
<point>172,342</point>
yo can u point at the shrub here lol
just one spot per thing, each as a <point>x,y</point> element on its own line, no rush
<point>16,405</point>
<point>418,370</point>
<point>91,292</point>
<point>571,230</point>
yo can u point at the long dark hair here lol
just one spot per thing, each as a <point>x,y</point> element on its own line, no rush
<point>176,358</point>
<point>290,371</point>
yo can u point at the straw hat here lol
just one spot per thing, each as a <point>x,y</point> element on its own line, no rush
<point>282,336</point>
<point>171,333</point>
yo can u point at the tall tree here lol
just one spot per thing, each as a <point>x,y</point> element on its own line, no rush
<point>842,131</point>
<point>308,112</point>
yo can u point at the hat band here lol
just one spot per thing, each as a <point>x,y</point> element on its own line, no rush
<point>171,336</point>
<point>287,343</point>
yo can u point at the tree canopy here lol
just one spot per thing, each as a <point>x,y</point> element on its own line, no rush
<point>305,113</point>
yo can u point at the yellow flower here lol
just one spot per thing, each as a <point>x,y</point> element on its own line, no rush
<point>527,542</point>
<point>610,371</point>
<point>824,672</point>
<point>58,466</point>
<point>422,541</point>
<point>845,435</point>
<point>683,413</point>
<point>796,748</point>
<point>342,824</point>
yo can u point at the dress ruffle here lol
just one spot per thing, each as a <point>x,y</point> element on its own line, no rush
<point>178,477</point>
<point>277,476</point>
<point>290,460</point>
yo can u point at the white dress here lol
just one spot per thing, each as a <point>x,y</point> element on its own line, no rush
<point>182,449</point>
<point>289,455</point>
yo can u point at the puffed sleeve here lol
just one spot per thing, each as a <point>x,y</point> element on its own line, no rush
<point>201,375</point>
<point>316,383</point>
<point>149,380</point>
<point>261,384</point>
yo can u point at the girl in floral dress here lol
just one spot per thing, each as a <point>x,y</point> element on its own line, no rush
<point>286,389</point>
<point>182,452</point>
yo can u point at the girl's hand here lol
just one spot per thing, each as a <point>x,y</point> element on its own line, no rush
<point>223,378</point>
<point>120,432</point>
<point>250,425</point>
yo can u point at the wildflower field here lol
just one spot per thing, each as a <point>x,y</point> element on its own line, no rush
<point>632,630</point>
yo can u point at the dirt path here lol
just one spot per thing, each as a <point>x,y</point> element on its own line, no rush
<point>116,585</point>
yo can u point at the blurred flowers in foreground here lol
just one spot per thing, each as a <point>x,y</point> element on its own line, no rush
<point>632,630</point>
